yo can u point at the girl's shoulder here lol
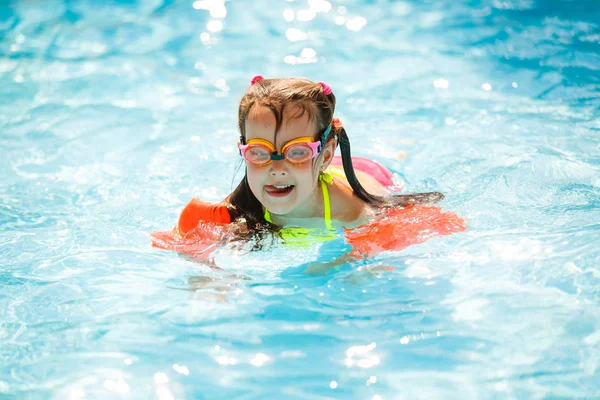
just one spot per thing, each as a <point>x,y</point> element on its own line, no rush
<point>346,207</point>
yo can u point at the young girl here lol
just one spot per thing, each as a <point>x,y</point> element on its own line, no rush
<point>296,188</point>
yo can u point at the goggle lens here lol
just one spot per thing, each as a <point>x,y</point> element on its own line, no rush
<point>257,154</point>
<point>298,153</point>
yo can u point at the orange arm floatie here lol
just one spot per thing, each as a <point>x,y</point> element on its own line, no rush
<point>200,228</point>
<point>403,227</point>
<point>198,210</point>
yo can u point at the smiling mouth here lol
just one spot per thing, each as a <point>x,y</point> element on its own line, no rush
<point>279,190</point>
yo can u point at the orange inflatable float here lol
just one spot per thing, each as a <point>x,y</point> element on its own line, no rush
<point>202,227</point>
<point>400,228</point>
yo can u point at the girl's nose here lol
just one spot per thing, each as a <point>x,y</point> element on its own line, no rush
<point>278,172</point>
<point>278,168</point>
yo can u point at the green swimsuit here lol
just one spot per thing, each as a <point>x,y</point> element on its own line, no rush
<point>302,236</point>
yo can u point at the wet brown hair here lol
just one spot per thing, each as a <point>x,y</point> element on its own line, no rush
<point>310,98</point>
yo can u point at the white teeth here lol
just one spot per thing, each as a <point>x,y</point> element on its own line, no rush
<point>282,186</point>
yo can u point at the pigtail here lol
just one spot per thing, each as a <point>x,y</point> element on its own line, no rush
<point>362,194</point>
<point>401,200</point>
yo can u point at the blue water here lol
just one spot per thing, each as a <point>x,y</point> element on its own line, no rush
<point>114,114</point>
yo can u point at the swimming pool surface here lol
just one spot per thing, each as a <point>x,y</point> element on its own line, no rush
<point>114,114</point>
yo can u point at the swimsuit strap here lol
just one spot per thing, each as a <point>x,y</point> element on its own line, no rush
<point>268,216</point>
<point>326,207</point>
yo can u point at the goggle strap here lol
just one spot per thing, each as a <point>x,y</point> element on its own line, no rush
<point>325,134</point>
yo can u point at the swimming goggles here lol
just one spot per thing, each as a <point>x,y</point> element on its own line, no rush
<point>262,152</point>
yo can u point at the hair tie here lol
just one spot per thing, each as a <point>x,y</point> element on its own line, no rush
<point>326,88</point>
<point>337,124</point>
<point>256,79</point>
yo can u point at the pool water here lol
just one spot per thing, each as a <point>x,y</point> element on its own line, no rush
<point>114,114</point>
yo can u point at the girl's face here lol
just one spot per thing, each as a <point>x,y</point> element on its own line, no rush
<point>284,188</point>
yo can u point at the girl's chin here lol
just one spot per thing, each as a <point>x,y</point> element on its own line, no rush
<point>280,206</point>
<point>279,209</point>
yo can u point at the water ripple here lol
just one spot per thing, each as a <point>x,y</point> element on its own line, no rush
<point>113,115</point>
